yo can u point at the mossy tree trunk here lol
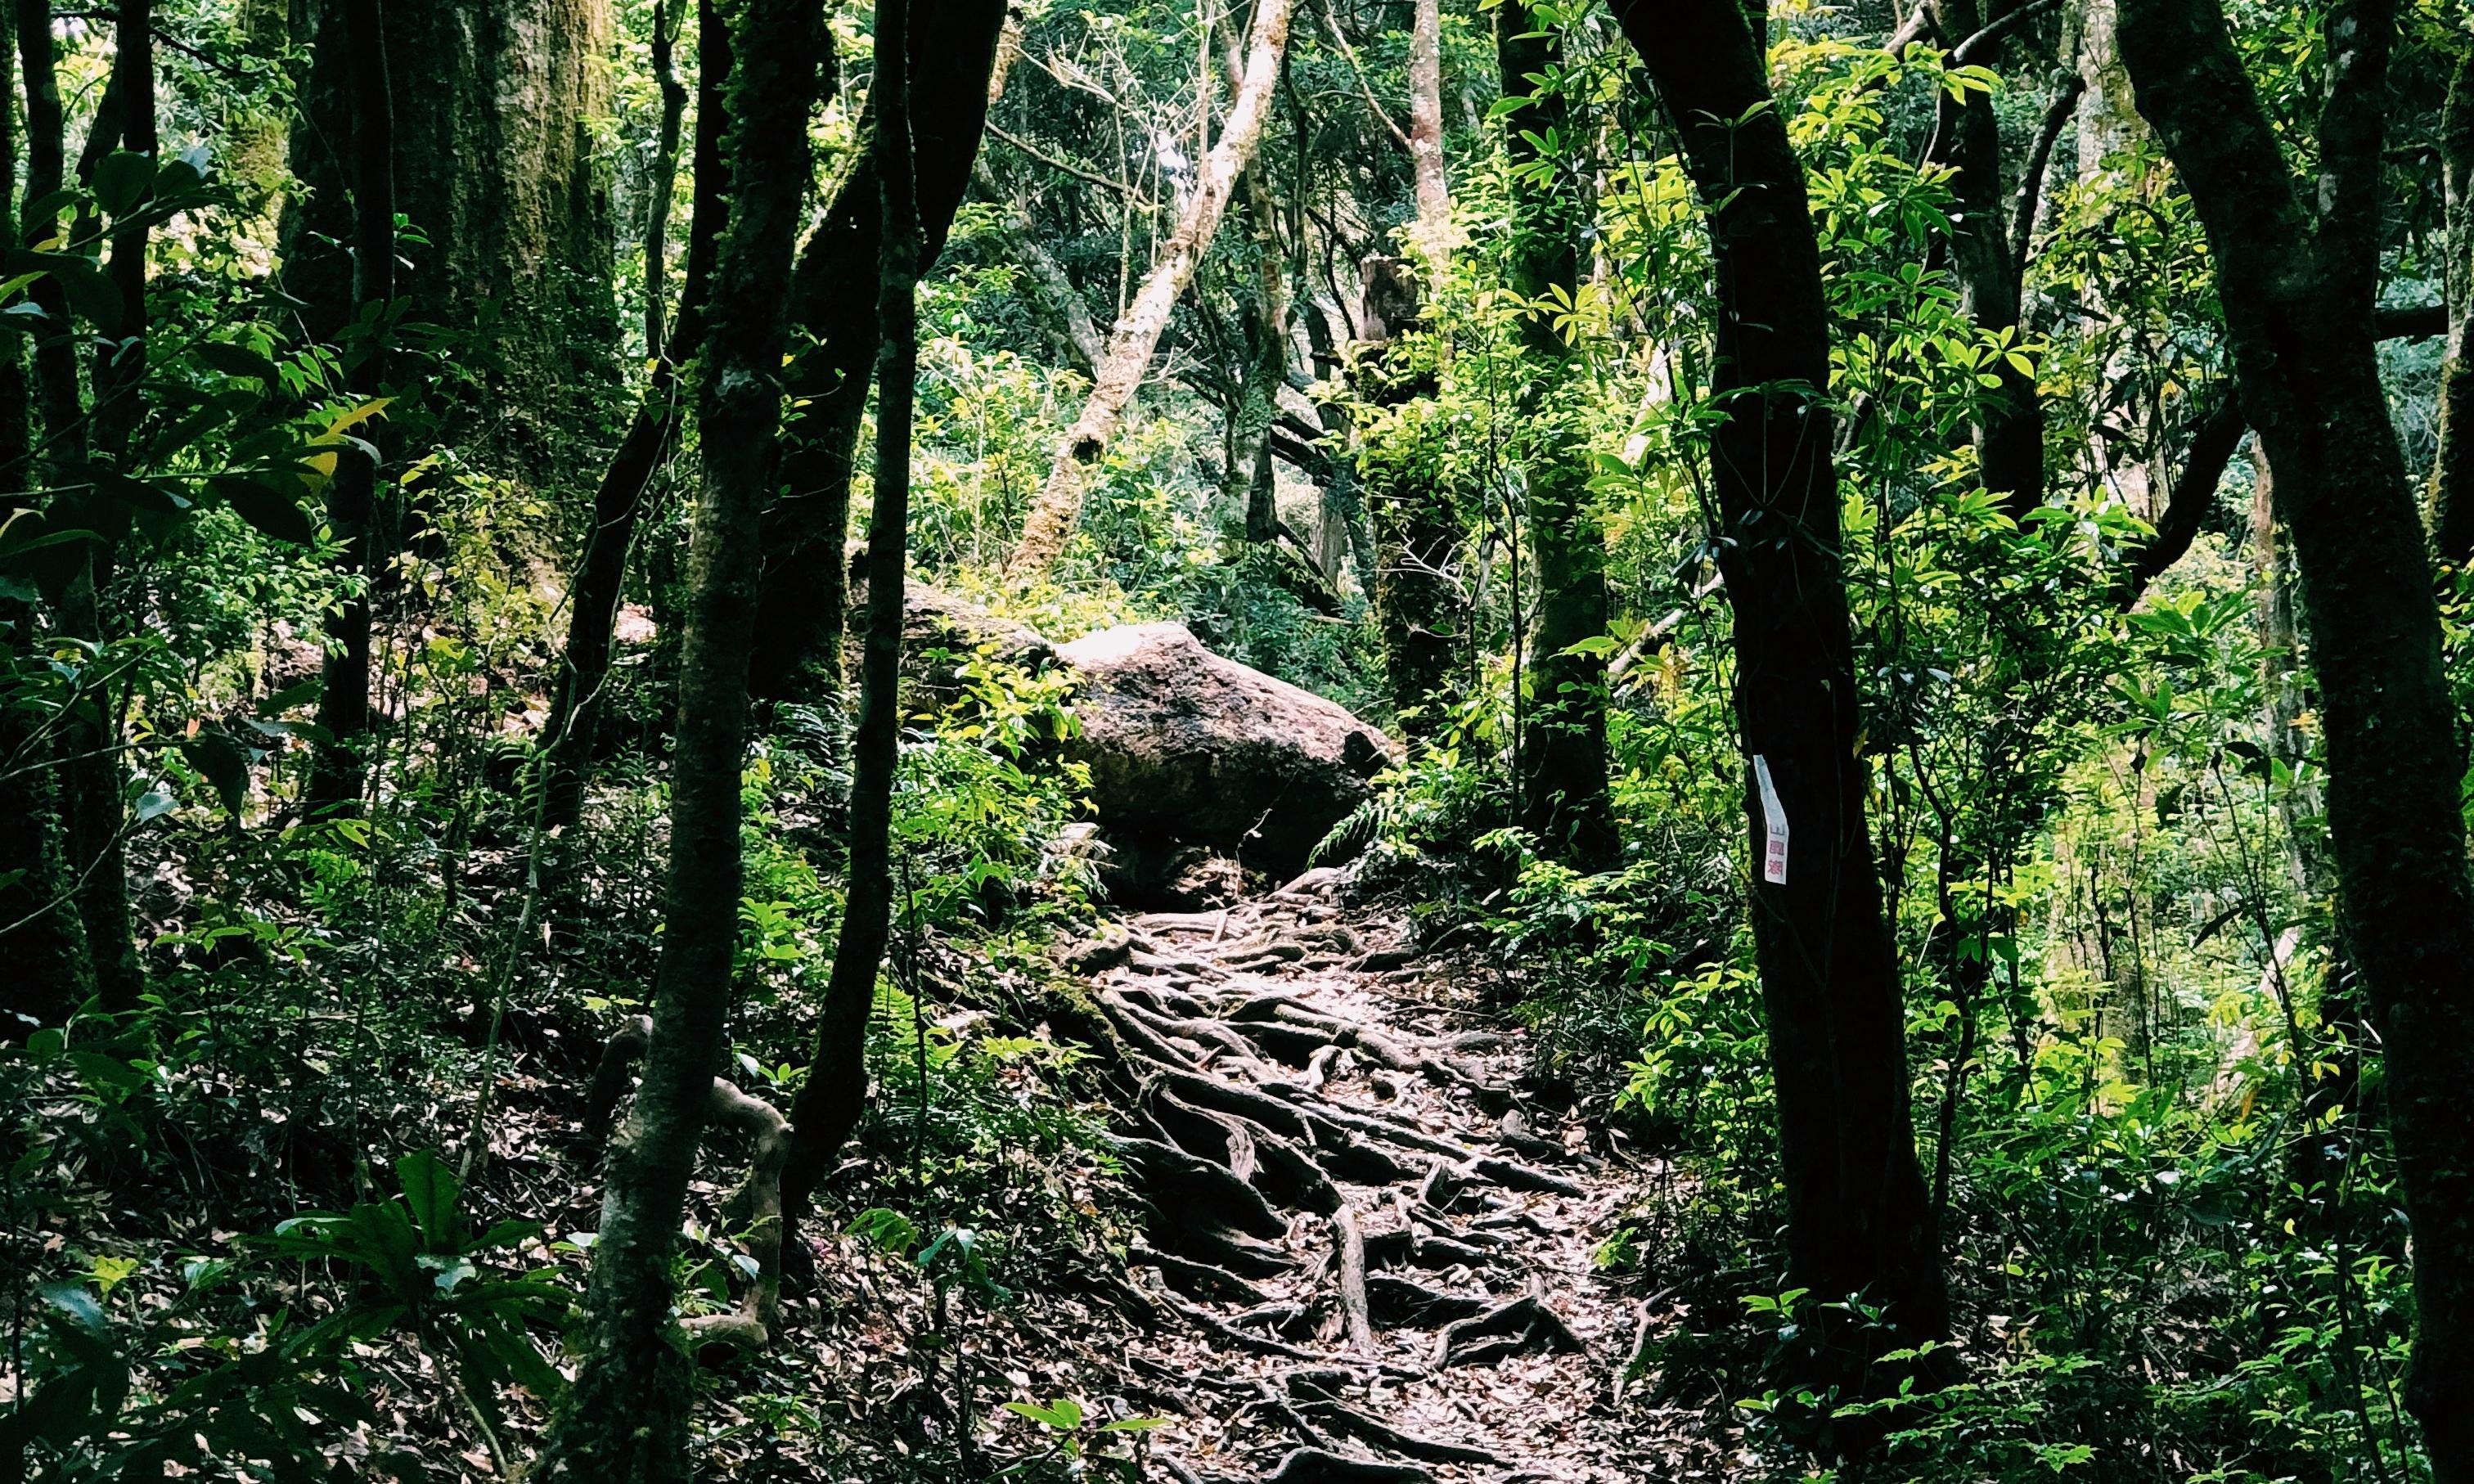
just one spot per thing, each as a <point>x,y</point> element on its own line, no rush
<point>627,1418</point>
<point>495,106</point>
<point>2298,276</point>
<point>2452,465</point>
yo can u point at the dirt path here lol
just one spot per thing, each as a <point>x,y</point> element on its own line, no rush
<point>1383,1271</point>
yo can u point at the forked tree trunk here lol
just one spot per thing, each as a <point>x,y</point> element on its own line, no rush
<point>1858,1216</point>
<point>836,1091</point>
<point>570,734</point>
<point>2299,287</point>
<point>627,1419</point>
<point>1564,801</point>
<point>1059,505</point>
<point>833,293</point>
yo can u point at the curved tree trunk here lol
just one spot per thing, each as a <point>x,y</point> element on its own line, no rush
<point>2299,287</point>
<point>1858,1216</point>
<point>627,1419</point>
<point>1059,505</point>
<point>836,1092</point>
<point>1564,801</point>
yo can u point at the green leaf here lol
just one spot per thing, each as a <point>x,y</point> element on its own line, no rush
<point>223,762</point>
<point>430,1188</point>
<point>123,180</point>
<point>262,505</point>
<point>237,360</point>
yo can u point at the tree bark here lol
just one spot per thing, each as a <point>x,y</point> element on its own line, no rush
<point>1059,505</point>
<point>1858,1216</point>
<point>1564,801</point>
<point>1434,227</point>
<point>836,1092</point>
<point>2298,288</point>
<point>1417,535</point>
<point>338,776</point>
<point>627,1419</point>
<point>569,736</point>
<point>807,531</point>
<point>666,174</point>
<point>2452,466</point>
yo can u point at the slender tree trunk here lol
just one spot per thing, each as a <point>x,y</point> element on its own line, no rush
<point>94,813</point>
<point>1858,1216</point>
<point>2298,288</point>
<point>338,774</point>
<point>569,737</point>
<point>836,1092</point>
<point>1267,369</point>
<point>1563,800</point>
<point>666,174</point>
<point>627,1419</point>
<point>2452,467</point>
<point>807,532</point>
<point>1426,129</point>
<point>1059,505</point>
<point>2009,417</point>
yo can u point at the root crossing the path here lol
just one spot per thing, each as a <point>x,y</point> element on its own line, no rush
<point>1370,1260</point>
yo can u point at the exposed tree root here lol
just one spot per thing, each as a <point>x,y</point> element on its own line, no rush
<point>1329,1412</point>
<point>1513,1329</point>
<point>1396,1303</point>
<point>1350,1244</point>
<point>1321,1466</point>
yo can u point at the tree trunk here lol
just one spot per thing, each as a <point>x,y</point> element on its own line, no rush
<point>627,1419</point>
<point>496,102</point>
<point>2010,418</point>
<point>93,810</point>
<point>1417,535</point>
<point>1059,505</point>
<point>2452,465</point>
<point>1858,1216</point>
<point>1564,801</point>
<point>666,174</point>
<point>836,1092</point>
<point>1426,129</point>
<point>338,775</point>
<point>807,532</point>
<point>570,734</point>
<point>1267,370</point>
<point>2298,288</point>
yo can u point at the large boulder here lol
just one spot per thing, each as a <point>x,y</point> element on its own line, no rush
<point>940,630</point>
<point>1186,746</point>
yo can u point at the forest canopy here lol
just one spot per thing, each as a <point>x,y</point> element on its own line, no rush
<point>1237,742</point>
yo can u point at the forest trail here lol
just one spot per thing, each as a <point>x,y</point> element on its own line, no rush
<point>1383,1272</point>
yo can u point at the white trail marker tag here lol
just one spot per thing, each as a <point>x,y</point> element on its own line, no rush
<point>1774,861</point>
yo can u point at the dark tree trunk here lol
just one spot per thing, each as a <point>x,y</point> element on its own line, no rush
<point>627,1419</point>
<point>806,585</point>
<point>569,738</point>
<point>338,774</point>
<point>836,1092</point>
<point>1563,785</point>
<point>2298,289</point>
<point>1858,1216</point>
<point>2452,466</point>
<point>2010,418</point>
